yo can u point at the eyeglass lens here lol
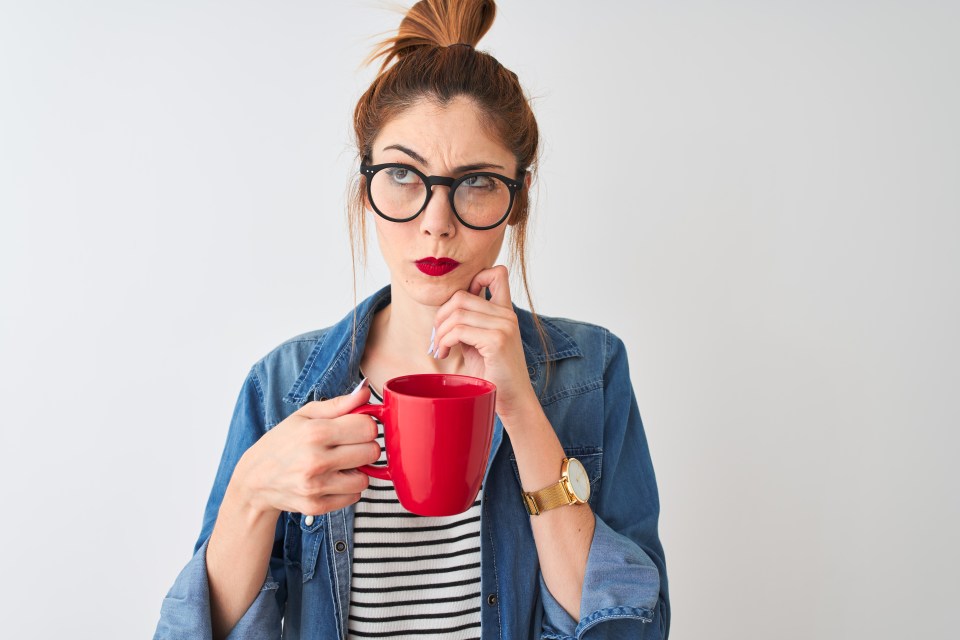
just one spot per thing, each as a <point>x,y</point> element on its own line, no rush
<point>479,200</point>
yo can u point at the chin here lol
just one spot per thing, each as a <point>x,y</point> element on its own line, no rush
<point>431,291</point>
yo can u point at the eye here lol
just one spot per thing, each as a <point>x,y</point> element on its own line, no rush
<point>402,176</point>
<point>480,182</point>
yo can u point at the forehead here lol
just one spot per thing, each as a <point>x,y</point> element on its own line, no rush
<point>451,134</point>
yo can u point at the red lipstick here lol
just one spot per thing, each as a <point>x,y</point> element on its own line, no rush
<point>437,266</point>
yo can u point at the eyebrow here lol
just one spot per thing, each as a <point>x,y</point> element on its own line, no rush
<point>461,169</point>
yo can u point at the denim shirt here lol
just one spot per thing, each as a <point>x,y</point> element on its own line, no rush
<point>590,402</point>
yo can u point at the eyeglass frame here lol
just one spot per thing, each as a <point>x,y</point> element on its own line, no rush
<point>513,186</point>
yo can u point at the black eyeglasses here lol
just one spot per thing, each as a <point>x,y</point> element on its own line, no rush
<point>399,193</point>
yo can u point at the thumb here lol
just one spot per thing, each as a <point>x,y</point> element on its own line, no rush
<point>497,281</point>
<point>338,406</point>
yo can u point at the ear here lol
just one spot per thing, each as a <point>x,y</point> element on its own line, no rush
<point>527,180</point>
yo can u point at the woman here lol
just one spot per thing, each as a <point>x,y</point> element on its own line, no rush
<point>294,537</point>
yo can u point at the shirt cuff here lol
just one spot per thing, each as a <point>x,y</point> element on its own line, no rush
<point>621,586</point>
<point>185,613</point>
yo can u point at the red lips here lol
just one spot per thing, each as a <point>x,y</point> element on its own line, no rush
<point>437,266</point>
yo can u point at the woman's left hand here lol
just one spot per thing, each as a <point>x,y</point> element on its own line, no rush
<point>489,337</point>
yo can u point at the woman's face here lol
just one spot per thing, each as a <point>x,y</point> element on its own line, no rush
<point>443,141</point>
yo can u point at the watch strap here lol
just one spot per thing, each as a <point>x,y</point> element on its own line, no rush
<point>553,496</point>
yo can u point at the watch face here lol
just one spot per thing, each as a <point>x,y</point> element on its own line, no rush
<point>578,479</point>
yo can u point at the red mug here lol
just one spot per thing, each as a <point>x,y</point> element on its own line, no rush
<point>437,430</point>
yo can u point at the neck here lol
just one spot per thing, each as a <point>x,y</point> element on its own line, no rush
<point>403,330</point>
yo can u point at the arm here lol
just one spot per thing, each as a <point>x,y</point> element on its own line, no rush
<point>562,535</point>
<point>195,605</point>
<point>239,555</point>
<point>619,572</point>
<point>304,464</point>
<point>604,569</point>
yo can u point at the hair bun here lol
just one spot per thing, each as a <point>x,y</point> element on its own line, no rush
<point>437,23</point>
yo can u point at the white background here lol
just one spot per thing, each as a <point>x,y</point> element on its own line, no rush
<point>761,198</point>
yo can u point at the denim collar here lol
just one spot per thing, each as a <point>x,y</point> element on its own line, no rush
<point>331,368</point>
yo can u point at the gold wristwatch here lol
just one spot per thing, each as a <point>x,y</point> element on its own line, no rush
<point>573,488</point>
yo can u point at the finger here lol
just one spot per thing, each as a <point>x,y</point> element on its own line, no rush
<point>463,300</point>
<point>351,456</point>
<point>497,279</point>
<point>476,319</point>
<point>486,341</point>
<point>338,406</point>
<point>343,430</point>
<point>346,481</point>
<point>323,504</point>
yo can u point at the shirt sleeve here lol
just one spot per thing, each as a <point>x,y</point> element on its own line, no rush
<point>185,612</point>
<point>625,585</point>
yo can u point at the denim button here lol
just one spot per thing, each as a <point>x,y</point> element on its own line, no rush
<point>340,546</point>
<point>531,370</point>
<point>492,599</point>
<point>308,521</point>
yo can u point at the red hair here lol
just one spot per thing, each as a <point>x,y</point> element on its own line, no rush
<point>423,61</point>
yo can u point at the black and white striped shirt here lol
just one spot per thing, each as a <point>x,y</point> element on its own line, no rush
<point>413,575</point>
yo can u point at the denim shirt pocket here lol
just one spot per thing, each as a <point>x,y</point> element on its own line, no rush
<point>304,534</point>
<point>590,457</point>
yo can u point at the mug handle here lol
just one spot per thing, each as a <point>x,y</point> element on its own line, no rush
<point>375,410</point>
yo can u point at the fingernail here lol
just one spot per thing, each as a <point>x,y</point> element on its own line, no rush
<point>433,334</point>
<point>359,386</point>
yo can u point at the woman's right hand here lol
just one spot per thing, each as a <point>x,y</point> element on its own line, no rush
<point>307,463</point>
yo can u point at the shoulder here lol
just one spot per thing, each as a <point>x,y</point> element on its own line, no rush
<point>318,362</point>
<point>578,362</point>
<point>278,371</point>
<point>595,343</point>
<point>292,353</point>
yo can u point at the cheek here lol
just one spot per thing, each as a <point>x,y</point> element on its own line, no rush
<point>389,237</point>
<point>491,247</point>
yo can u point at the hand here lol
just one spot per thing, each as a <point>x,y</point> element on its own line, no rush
<point>489,336</point>
<point>307,463</point>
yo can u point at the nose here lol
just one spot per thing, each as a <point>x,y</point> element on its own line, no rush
<point>438,218</point>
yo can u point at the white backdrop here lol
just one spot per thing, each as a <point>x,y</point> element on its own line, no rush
<point>761,198</point>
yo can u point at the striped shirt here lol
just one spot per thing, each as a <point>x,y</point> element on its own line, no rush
<point>412,575</point>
